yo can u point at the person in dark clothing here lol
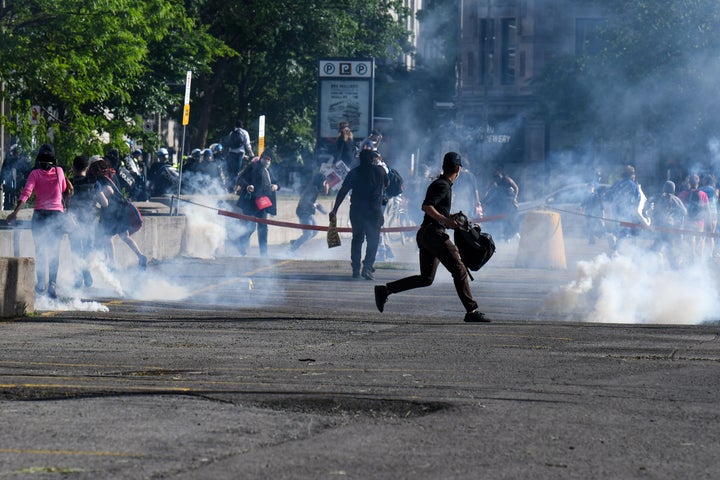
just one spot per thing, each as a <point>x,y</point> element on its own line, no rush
<point>163,176</point>
<point>111,221</point>
<point>435,245</point>
<point>367,182</point>
<point>345,144</point>
<point>254,183</point>
<point>306,207</point>
<point>84,214</point>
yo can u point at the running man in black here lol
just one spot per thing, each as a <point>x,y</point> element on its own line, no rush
<point>435,245</point>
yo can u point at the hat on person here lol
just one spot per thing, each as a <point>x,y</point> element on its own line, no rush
<point>450,160</point>
<point>669,187</point>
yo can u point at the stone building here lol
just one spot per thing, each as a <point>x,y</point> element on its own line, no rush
<point>503,45</point>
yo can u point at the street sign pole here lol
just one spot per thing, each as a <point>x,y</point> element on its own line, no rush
<point>185,121</point>
<point>261,135</point>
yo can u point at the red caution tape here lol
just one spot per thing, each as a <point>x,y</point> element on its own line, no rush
<point>320,228</point>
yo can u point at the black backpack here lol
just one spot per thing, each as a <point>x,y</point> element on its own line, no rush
<point>397,184</point>
<point>476,247</point>
<point>236,139</point>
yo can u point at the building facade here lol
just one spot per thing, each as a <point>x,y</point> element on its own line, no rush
<point>504,44</point>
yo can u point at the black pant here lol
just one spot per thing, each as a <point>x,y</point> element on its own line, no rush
<point>366,225</point>
<point>435,248</point>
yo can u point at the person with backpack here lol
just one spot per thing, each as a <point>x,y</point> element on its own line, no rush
<point>698,211</point>
<point>238,148</point>
<point>47,180</point>
<point>436,246</point>
<point>367,182</point>
<point>113,220</point>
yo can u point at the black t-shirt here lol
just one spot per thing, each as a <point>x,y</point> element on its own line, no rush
<point>367,186</point>
<point>439,195</point>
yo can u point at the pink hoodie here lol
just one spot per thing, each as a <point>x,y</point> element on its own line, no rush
<point>48,187</point>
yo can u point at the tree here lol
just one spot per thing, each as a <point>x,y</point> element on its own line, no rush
<point>655,75</point>
<point>276,48</point>
<point>94,66</point>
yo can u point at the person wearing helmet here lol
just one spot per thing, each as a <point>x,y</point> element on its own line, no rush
<point>191,170</point>
<point>14,173</point>
<point>214,172</point>
<point>163,177</point>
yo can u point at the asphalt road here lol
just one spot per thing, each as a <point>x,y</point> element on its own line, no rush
<point>283,368</point>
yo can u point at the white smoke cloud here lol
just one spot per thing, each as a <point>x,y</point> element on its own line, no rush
<point>637,286</point>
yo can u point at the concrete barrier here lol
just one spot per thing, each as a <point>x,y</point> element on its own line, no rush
<point>197,231</point>
<point>541,242</point>
<point>17,285</point>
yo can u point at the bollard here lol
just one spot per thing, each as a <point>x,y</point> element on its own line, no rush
<point>17,286</point>
<point>541,242</point>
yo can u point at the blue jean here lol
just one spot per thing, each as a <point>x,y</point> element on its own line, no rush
<point>306,234</point>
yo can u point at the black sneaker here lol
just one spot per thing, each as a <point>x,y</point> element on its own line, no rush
<point>476,316</point>
<point>381,296</point>
<point>367,274</point>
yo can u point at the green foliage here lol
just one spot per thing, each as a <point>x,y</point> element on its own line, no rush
<point>274,70</point>
<point>654,73</point>
<point>96,67</point>
<point>88,65</point>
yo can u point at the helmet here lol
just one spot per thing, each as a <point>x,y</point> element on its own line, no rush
<point>163,152</point>
<point>207,153</point>
<point>137,153</point>
<point>195,154</point>
<point>216,148</point>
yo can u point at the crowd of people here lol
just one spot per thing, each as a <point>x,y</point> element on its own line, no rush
<point>683,217</point>
<point>88,207</point>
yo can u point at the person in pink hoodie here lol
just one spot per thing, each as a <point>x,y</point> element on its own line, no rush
<point>47,181</point>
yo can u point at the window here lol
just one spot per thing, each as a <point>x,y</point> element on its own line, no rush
<point>508,28</point>
<point>587,38</point>
<point>487,50</point>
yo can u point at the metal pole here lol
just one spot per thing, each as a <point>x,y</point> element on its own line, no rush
<point>182,149</point>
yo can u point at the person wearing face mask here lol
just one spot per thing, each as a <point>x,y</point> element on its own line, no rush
<point>257,187</point>
<point>47,181</point>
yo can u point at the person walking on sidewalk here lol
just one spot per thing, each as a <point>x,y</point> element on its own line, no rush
<point>435,245</point>
<point>367,182</point>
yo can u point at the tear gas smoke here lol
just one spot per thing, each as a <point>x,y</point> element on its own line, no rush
<point>637,286</point>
